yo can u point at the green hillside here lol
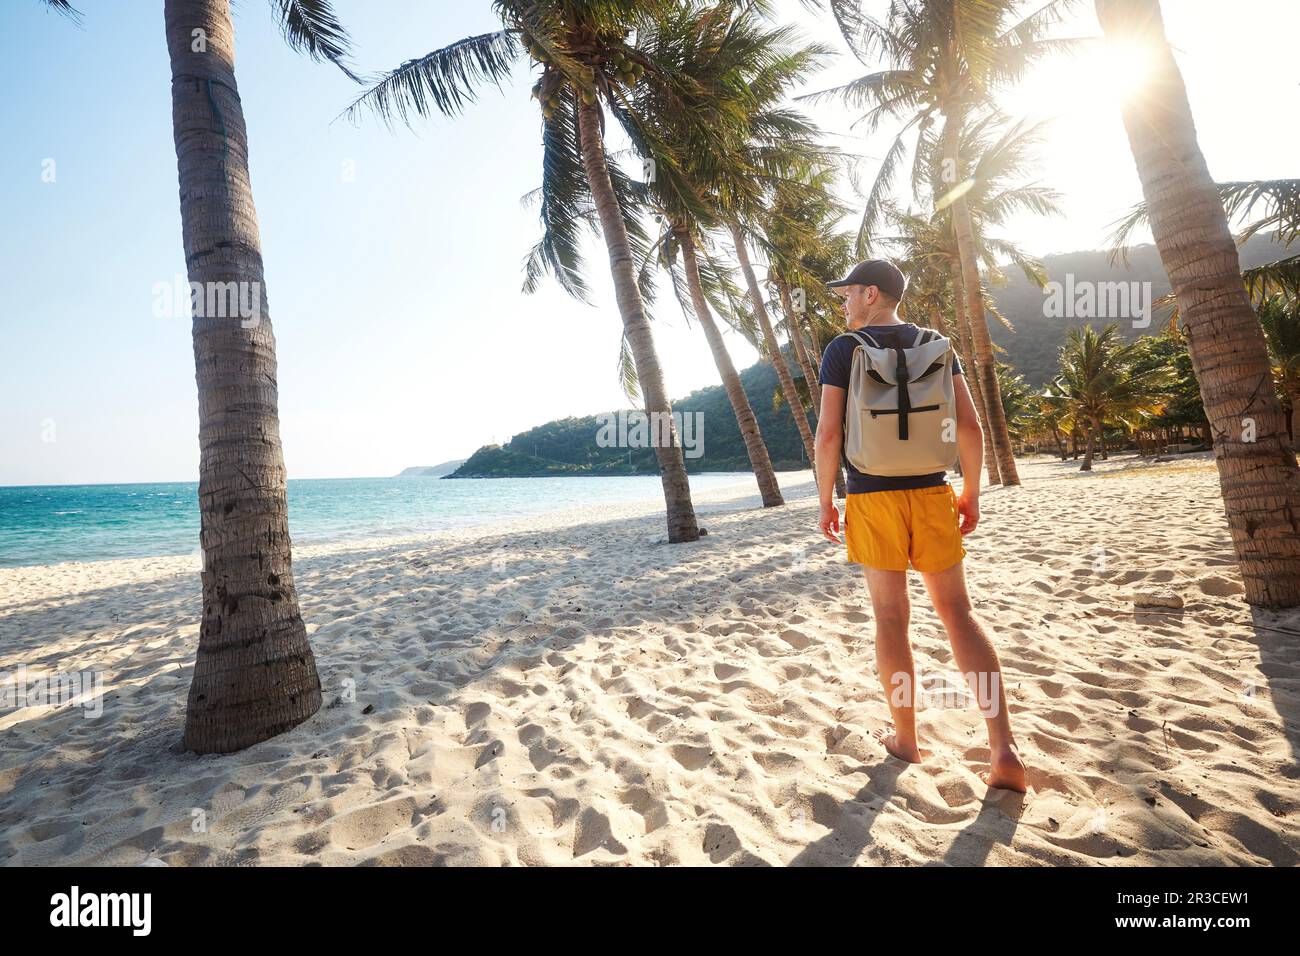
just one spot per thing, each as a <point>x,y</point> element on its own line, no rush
<point>1031,348</point>
<point>569,446</point>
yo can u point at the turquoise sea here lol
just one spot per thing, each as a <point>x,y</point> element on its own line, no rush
<point>51,523</point>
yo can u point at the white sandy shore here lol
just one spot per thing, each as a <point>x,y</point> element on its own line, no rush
<point>568,689</point>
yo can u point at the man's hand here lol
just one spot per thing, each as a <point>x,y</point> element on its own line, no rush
<point>830,522</point>
<point>968,510</point>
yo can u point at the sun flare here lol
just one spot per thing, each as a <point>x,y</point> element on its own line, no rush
<point>1103,75</point>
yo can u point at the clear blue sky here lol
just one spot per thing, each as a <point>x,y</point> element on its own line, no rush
<point>402,335</point>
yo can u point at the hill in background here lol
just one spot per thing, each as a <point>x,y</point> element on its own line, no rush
<point>1031,348</point>
<point>431,471</point>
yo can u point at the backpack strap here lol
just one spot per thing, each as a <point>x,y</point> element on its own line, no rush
<point>863,337</point>
<point>904,399</point>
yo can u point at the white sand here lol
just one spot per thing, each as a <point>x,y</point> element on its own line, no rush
<point>569,690</point>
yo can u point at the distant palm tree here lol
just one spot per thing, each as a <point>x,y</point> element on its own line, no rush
<point>726,132</point>
<point>798,233</point>
<point>996,191</point>
<point>1280,320</point>
<point>590,65</point>
<point>1257,466</point>
<point>1099,384</point>
<point>254,673</point>
<point>771,346</point>
<point>944,59</point>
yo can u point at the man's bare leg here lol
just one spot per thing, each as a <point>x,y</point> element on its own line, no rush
<point>975,655</point>
<point>892,610</point>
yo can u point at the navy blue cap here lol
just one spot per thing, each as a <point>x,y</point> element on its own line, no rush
<point>881,273</point>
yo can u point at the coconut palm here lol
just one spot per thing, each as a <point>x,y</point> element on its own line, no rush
<point>254,673</point>
<point>798,234</point>
<point>726,133</point>
<point>1257,467</point>
<point>944,60</point>
<point>1280,319</point>
<point>1100,384</point>
<point>928,245</point>
<point>590,64</point>
<point>722,126</point>
<point>771,346</point>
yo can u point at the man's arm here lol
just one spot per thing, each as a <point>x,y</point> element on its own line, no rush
<point>970,449</point>
<point>830,441</point>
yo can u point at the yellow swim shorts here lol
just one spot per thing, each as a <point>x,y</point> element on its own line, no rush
<point>887,529</point>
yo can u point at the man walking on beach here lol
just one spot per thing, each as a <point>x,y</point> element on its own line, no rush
<point>893,518</point>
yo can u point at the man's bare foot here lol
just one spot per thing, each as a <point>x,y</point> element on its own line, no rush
<point>1006,770</point>
<point>900,749</point>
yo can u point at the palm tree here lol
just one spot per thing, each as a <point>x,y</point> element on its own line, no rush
<point>721,125</point>
<point>805,251</point>
<point>590,64</point>
<point>254,673</point>
<point>1280,319</point>
<point>726,131</point>
<point>944,59</point>
<point>771,346</point>
<point>996,191</point>
<point>683,237</point>
<point>1257,467</point>
<point>1100,384</point>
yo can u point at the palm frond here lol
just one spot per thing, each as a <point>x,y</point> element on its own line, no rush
<point>311,27</point>
<point>443,81</point>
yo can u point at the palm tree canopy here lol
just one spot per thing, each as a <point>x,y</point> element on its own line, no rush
<point>931,59</point>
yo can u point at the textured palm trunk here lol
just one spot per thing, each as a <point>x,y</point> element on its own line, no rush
<point>791,394</point>
<point>971,370</point>
<point>841,488</point>
<point>810,371</point>
<point>682,525</point>
<point>976,316</point>
<point>759,459</point>
<point>254,673</point>
<point>1257,468</point>
<point>800,350</point>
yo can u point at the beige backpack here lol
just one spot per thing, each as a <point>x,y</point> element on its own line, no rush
<point>900,413</point>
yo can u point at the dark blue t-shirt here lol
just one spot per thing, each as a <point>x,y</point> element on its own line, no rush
<point>837,362</point>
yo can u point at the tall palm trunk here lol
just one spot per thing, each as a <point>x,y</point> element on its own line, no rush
<point>682,525</point>
<point>972,372</point>
<point>759,459</point>
<point>791,394</point>
<point>1257,468</point>
<point>254,674</point>
<point>983,344</point>
<point>810,370</point>
<point>800,350</point>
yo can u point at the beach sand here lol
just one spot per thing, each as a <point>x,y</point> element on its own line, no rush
<point>570,689</point>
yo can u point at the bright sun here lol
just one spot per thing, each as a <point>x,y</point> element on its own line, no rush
<point>1099,77</point>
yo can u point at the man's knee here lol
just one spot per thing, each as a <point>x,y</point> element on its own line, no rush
<point>892,618</point>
